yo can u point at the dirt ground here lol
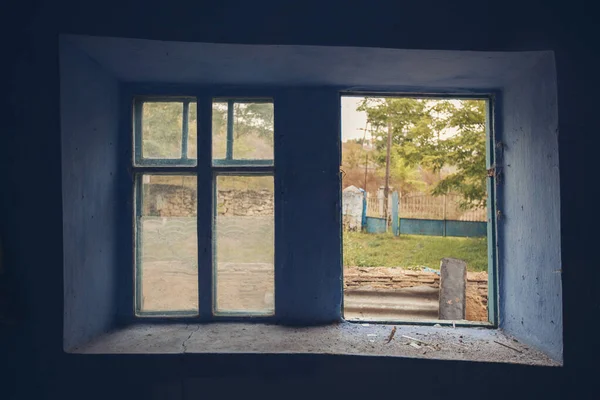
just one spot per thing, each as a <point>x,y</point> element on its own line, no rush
<point>174,286</point>
<point>250,287</point>
<point>385,279</point>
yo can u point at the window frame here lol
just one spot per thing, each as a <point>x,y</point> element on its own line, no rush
<point>492,140</point>
<point>229,160</point>
<point>138,159</point>
<point>205,171</point>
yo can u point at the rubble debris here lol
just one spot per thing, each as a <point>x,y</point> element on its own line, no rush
<point>507,346</point>
<point>392,333</point>
<point>416,340</point>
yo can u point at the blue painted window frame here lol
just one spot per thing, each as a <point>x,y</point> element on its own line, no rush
<point>229,160</point>
<point>205,170</point>
<point>139,160</point>
<point>234,171</point>
<point>235,167</point>
<point>493,134</point>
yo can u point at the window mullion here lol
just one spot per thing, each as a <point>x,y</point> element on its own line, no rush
<point>205,207</point>
<point>138,240</point>
<point>230,117</point>
<point>184,128</point>
<point>137,126</point>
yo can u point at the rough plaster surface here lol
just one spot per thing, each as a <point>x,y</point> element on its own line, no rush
<point>135,60</point>
<point>444,343</point>
<point>529,255</point>
<point>308,266</point>
<point>89,134</point>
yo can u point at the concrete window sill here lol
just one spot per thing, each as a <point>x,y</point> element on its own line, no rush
<point>441,343</point>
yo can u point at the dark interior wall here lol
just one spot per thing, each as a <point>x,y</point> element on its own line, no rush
<point>89,132</point>
<point>529,202</point>
<point>38,366</point>
<point>310,268</point>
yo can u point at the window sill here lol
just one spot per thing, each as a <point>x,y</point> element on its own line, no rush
<point>445,343</point>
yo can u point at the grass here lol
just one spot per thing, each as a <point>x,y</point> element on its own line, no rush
<point>412,251</point>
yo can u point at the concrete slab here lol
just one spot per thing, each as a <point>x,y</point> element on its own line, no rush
<point>453,288</point>
<point>447,343</point>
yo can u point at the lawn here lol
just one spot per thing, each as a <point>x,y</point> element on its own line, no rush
<point>412,251</point>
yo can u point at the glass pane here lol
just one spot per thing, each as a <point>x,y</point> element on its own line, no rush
<point>192,131</point>
<point>251,135</point>
<point>219,130</point>
<point>253,131</point>
<point>245,244</point>
<point>162,126</point>
<point>168,245</point>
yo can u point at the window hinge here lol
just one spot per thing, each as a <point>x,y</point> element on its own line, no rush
<point>495,172</point>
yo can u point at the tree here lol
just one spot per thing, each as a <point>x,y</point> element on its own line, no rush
<point>253,129</point>
<point>161,129</point>
<point>433,134</point>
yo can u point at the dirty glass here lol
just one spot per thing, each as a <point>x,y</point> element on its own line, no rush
<point>167,248</point>
<point>162,127</point>
<point>192,131</point>
<point>219,130</point>
<point>244,245</point>
<point>248,137</point>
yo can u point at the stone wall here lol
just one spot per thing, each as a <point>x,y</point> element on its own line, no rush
<point>245,202</point>
<point>163,200</point>
<point>395,278</point>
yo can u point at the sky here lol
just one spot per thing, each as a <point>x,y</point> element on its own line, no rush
<point>353,122</point>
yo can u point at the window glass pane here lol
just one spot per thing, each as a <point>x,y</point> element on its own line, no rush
<point>244,245</point>
<point>247,137</point>
<point>167,244</point>
<point>192,131</point>
<point>219,130</point>
<point>253,131</point>
<point>162,126</point>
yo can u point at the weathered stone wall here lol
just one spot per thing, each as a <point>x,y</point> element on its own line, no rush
<point>394,278</point>
<point>165,200</point>
<point>245,202</point>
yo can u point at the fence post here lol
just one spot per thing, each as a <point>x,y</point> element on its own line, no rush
<point>395,216</point>
<point>444,215</point>
<point>363,219</point>
<point>380,200</point>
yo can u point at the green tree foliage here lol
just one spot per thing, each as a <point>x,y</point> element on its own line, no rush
<point>433,134</point>
<point>253,129</point>
<point>405,178</point>
<point>161,129</point>
<point>353,154</point>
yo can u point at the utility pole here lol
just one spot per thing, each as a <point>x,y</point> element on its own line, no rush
<point>366,166</point>
<point>367,156</point>
<point>386,191</point>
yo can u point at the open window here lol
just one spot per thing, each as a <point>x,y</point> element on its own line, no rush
<point>417,208</point>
